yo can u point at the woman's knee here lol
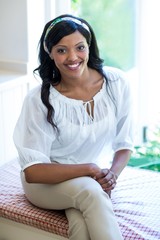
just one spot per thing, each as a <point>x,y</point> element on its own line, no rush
<point>89,192</point>
<point>92,187</point>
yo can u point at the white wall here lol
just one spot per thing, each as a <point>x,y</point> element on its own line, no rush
<point>13,28</point>
<point>13,31</point>
<point>21,24</point>
<point>148,54</point>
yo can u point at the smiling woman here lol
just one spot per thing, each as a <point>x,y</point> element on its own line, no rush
<point>81,110</point>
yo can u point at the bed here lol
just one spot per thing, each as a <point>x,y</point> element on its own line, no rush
<point>136,202</point>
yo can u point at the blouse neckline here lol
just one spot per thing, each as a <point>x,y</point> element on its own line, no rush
<point>54,92</point>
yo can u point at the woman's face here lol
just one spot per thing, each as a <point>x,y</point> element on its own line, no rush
<point>70,55</point>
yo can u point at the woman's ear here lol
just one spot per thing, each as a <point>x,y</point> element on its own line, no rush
<point>51,55</point>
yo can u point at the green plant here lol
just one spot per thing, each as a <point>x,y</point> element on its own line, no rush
<point>152,147</point>
<point>148,155</point>
<point>75,5</point>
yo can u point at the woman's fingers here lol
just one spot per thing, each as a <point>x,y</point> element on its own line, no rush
<point>107,179</point>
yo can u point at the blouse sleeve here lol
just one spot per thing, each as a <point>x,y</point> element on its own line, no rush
<point>124,138</point>
<point>33,135</point>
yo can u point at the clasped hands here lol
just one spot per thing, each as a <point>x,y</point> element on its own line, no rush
<point>107,179</point>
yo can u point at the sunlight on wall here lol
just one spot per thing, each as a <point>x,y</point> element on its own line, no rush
<point>148,61</point>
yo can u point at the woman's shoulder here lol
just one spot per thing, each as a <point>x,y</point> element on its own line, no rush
<point>34,91</point>
<point>33,96</point>
<point>114,74</point>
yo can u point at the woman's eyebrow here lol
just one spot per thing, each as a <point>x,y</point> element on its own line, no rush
<point>62,45</point>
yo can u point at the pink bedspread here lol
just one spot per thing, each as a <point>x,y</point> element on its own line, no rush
<point>136,202</point>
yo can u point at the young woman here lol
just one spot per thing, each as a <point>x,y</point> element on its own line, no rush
<point>76,120</point>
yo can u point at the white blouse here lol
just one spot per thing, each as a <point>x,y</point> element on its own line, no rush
<point>82,138</point>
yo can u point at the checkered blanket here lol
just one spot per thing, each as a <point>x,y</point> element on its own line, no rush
<point>136,202</point>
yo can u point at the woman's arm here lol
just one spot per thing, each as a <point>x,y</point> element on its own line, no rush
<point>120,160</point>
<point>50,173</point>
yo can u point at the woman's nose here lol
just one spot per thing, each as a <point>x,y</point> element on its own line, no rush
<point>72,56</point>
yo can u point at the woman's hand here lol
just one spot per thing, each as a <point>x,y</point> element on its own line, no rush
<point>107,179</point>
<point>94,170</point>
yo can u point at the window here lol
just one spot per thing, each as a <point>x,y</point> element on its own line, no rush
<point>114,25</point>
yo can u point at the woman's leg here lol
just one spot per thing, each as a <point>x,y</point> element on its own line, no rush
<point>48,197</point>
<point>83,194</point>
<point>77,226</point>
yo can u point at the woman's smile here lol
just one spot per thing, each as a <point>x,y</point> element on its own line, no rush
<point>74,66</point>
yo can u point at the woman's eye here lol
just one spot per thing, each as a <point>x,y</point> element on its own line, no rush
<point>61,50</point>
<point>81,48</point>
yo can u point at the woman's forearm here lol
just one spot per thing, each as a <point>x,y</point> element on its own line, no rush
<point>55,173</point>
<point>120,160</point>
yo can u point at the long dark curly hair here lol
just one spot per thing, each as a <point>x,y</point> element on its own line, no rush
<point>47,69</point>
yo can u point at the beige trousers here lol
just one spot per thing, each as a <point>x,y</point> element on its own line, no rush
<point>88,208</point>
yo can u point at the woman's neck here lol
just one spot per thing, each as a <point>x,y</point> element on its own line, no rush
<point>81,88</point>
